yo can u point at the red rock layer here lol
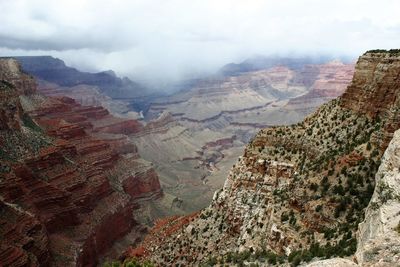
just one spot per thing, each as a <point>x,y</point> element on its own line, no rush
<point>374,90</point>
<point>374,86</point>
<point>163,228</point>
<point>123,127</point>
<point>23,235</point>
<point>59,203</point>
<point>141,183</point>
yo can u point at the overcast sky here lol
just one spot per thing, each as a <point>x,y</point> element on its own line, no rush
<point>169,38</point>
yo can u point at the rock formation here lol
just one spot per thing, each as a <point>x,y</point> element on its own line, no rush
<point>70,178</point>
<point>379,234</point>
<point>300,191</point>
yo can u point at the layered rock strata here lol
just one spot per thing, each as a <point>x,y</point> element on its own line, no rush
<point>70,177</point>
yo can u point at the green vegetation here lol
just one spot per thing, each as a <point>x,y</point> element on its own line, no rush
<point>5,85</point>
<point>336,162</point>
<point>28,122</point>
<point>17,144</point>
<point>391,51</point>
<point>345,247</point>
<point>132,262</point>
<point>256,258</point>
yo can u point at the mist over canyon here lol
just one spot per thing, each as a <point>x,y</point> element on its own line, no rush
<point>199,133</point>
<point>191,137</point>
<point>168,41</point>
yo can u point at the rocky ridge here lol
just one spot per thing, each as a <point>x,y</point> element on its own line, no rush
<point>71,181</point>
<point>54,70</point>
<point>300,191</point>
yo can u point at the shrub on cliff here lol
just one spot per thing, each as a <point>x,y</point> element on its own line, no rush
<point>391,51</point>
<point>132,262</point>
<point>28,122</point>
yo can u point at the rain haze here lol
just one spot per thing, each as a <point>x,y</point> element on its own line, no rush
<point>168,40</point>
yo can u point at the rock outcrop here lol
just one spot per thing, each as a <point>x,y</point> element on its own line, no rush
<point>379,234</point>
<point>70,177</point>
<point>374,90</point>
<point>300,191</point>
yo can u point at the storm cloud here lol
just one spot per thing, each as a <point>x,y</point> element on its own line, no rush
<point>168,39</point>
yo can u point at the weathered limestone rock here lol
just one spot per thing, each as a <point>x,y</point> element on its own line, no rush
<point>335,262</point>
<point>379,234</point>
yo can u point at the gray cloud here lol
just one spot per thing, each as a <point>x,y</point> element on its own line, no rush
<point>166,39</point>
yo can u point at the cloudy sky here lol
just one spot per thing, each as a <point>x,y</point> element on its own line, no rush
<point>171,38</point>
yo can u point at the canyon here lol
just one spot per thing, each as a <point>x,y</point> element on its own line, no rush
<point>300,192</point>
<point>81,161</point>
<point>204,129</point>
<point>71,181</point>
<point>194,136</point>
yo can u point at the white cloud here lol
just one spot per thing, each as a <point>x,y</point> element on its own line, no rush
<point>166,38</point>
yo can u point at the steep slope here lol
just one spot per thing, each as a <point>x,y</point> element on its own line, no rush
<point>299,191</point>
<point>71,181</point>
<point>378,239</point>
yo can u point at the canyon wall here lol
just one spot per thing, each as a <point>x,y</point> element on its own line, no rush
<point>70,177</point>
<point>379,234</point>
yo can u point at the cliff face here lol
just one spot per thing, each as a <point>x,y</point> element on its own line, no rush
<point>379,234</point>
<point>299,191</point>
<point>374,86</point>
<point>12,84</point>
<point>374,90</point>
<point>70,177</point>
